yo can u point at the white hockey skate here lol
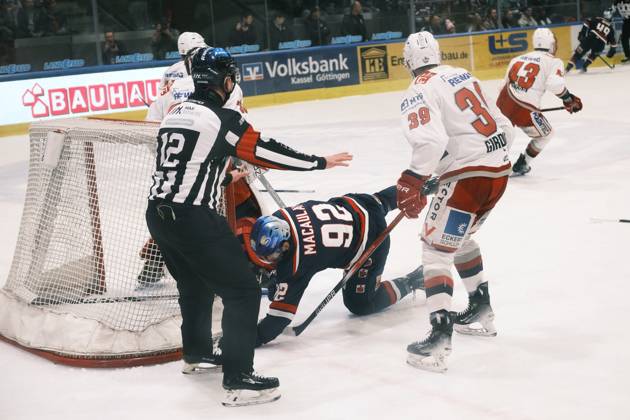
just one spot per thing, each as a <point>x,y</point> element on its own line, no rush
<point>249,389</point>
<point>431,353</point>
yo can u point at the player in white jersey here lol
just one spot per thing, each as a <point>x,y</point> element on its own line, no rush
<point>456,135</point>
<point>180,89</point>
<point>528,77</point>
<point>186,42</point>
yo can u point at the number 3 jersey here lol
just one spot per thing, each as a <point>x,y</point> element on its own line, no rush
<point>530,75</point>
<point>330,234</point>
<point>453,130</point>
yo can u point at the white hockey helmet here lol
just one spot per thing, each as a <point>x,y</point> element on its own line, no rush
<point>421,49</point>
<point>544,39</point>
<point>189,40</point>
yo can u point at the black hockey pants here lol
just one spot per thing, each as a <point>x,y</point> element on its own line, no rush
<point>205,258</point>
<point>625,37</point>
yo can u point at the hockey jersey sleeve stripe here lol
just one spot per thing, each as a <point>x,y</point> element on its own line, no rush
<point>282,306</point>
<point>246,148</point>
<point>269,153</point>
<point>364,218</point>
<point>280,314</point>
<point>296,242</point>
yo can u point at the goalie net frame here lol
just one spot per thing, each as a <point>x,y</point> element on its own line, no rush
<point>38,325</point>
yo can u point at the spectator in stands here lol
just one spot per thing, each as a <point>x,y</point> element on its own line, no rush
<point>542,18</point>
<point>526,18</point>
<point>353,23</point>
<point>449,26</point>
<point>164,39</point>
<point>278,31</point>
<point>112,48</point>
<point>51,21</point>
<point>435,26</point>
<point>491,20</point>
<point>7,34</point>
<point>317,29</point>
<point>474,23</point>
<point>510,20</point>
<point>244,32</point>
<point>28,18</point>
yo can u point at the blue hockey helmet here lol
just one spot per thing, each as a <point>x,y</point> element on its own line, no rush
<point>210,67</point>
<point>268,236</point>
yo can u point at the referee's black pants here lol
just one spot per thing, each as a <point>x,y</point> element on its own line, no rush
<point>205,258</point>
<point>625,37</point>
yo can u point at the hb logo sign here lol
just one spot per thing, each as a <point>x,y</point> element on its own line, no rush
<point>507,44</point>
<point>253,71</point>
<point>373,63</point>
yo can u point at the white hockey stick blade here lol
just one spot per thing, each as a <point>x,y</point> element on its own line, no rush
<point>430,363</point>
<point>245,397</point>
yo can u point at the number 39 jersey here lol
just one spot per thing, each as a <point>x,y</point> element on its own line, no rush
<point>530,75</point>
<point>454,132</point>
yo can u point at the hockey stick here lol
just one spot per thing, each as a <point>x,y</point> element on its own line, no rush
<point>113,299</point>
<point>271,191</point>
<point>298,329</point>
<point>557,108</point>
<point>610,66</point>
<point>597,220</point>
<point>290,191</point>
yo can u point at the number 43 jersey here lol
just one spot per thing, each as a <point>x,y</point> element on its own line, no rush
<point>530,75</point>
<point>454,131</point>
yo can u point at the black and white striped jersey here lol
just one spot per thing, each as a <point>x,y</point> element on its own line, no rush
<point>194,144</point>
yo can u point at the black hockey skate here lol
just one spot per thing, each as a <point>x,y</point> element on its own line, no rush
<point>152,272</point>
<point>414,280</point>
<point>520,167</point>
<point>431,353</point>
<point>478,317</point>
<point>194,365</point>
<point>249,389</point>
<point>625,60</point>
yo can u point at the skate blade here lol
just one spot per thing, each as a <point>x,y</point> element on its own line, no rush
<point>477,329</point>
<point>245,397</point>
<point>430,363</point>
<point>200,368</point>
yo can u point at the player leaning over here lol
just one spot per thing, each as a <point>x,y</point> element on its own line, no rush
<point>528,77</point>
<point>593,37</point>
<point>300,241</point>
<point>177,85</point>
<point>456,135</point>
<point>195,141</point>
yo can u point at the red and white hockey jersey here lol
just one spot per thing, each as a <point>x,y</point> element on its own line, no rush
<point>530,75</point>
<point>180,90</point>
<point>454,132</point>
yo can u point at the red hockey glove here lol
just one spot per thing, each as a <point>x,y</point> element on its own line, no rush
<point>408,194</point>
<point>572,103</point>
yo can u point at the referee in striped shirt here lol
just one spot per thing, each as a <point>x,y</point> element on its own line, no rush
<point>195,142</point>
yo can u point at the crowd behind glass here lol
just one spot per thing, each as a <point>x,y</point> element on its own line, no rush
<point>92,32</point>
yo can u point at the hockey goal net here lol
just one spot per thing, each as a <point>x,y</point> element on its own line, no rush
<point>73,293</point>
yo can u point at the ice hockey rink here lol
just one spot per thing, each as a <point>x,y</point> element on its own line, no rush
<point>559,282</point>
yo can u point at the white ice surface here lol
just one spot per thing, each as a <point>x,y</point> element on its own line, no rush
<point>559,283</point>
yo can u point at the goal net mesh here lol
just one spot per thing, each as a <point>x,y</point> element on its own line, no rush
<point>84,282</point>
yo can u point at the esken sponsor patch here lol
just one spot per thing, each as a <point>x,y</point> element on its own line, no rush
<point>456,228</point>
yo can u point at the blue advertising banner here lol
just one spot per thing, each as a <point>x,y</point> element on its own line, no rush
<point>297,70</point>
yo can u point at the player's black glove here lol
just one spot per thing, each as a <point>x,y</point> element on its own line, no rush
<point>611,52</point>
